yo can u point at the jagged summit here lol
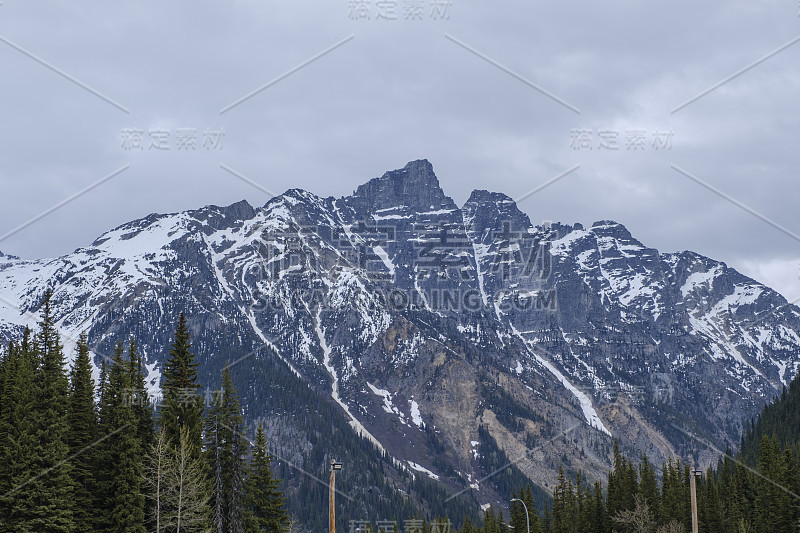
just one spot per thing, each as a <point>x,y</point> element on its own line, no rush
<point>414,187</point>
<point>485,210</point>
<point>482,196</point>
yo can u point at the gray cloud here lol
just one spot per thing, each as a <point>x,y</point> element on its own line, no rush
<point>400,90</point>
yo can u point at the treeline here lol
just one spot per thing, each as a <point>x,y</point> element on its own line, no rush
<point>758,491</point>
<point>733,498</point>
<point>78,457</point>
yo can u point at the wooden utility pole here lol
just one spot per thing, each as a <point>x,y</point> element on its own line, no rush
<point>693,488</point>
<point>332,513</point>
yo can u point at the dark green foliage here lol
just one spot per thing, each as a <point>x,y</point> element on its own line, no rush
<point>45,500</point>
<point>182,406</point>
<point>142,409</point>
<point>225,449</point>
<point>17,436</point>
<point>120,461</point>
<point>519,518</point>
<point>264,504</point>
<point>81,435</point>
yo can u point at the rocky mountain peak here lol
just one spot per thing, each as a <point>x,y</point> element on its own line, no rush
<point>414,187</point>
<point>492,210</point>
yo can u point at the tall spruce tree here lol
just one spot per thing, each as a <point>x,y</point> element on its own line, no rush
<point>648,486</point>
<point>101,457</point>
<point>82,435</point>
<point>141,403</point>
<point>225,449</point>
<point>264,502</point>
<point>51,488</point>
<point>17,438</point>
<point>121,502</point>
<point>182,406</point>
<point>142,409</point>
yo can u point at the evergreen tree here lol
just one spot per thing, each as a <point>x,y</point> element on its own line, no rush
<point>671,493</point>
<point>82,435</point>
<point>598,522</point>
<point>51,488</point>
<point>517,514</point>
<point>467,527</point>
<point>101,456</point>
<point>142,406</point>
<point>547,519</point>
<point>518,518</point>
<point>772,504</point>
<point>17,438</point>
<point>142,410</point>
<point>711,517</point>
<point>648,486</point>
<point>264,503</point>
<point>119,464</point>
<point>182,406</point>
<point>225,448</point>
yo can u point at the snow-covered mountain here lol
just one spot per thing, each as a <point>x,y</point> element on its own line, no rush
<point>424,321</point>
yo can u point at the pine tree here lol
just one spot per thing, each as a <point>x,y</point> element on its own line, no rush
<point>648,486</point>
<point>182,407</point>
<point>17,438</point>
<point>711,517</point>
<point>142,409</point>
<point>467,527</point>
<point>599,517</point>
<point>561,501</point>
<point>119,463</point>
<point>527,497</point>
<point>82,435</point>
<point>225,448</point>
<point>142,406</point>
<point>264,502</point>
<point>615,490</point>
<point>101,456</point>
<point>517,518</point>
<point>773,506</point>
<point>671,493</point>
<point>51,488</point>
<point>547,519</point>
<point>127,512</point>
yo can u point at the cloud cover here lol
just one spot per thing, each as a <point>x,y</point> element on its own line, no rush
<point>455,83</point>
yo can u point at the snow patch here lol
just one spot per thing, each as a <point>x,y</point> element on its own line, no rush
<point>416,417</point>
<point>418,468</point>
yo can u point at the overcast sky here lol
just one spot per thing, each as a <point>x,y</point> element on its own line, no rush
<point>502,95</point>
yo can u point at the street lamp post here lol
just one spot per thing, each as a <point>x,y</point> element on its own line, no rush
<point>527,517</point>
<point>332,513</point>
<point>693,487</point>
